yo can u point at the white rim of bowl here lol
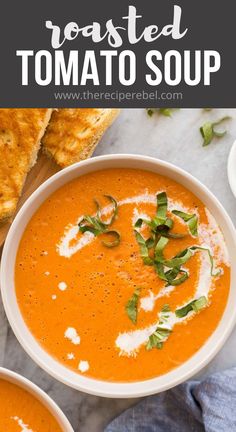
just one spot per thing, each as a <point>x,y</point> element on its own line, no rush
<point>39,394</point>
<point>231,168</point>
<point>120,389</point>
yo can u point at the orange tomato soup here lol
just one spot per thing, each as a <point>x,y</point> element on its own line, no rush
<point>21,411</point>
<point>77,295</point>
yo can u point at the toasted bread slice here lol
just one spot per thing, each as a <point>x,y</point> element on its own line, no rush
<point>73,134</point>
<point>20,133</point>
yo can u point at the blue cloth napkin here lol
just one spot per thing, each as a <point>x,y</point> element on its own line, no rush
<point>209,405</point>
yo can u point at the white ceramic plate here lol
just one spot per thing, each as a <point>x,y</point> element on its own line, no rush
<point>232,168</point>
<point>29,343</point>
<point>42,397</point>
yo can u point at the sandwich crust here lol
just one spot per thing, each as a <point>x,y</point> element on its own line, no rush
<point>73,134</point>
<point>20,133</point>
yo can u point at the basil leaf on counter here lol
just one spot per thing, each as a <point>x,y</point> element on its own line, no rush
<point>164,111</point>
<point>151,111</point>
<point>194,305</point>
<point>208,131</point>
<point>132,306</point>
<point>190,219</point>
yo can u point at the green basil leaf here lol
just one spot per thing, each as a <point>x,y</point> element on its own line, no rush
<point>150,223</point>
<point>159,267</point>
<point>151,111</point>
<point>161,244</point>
<point>115,242</point>
<point>92,224</point>
<point>153,342</point>
<point>219,133</point>
<point>193,225</point>
<point>185,216</point>
<point>132,306</point>
<point>85,228</point>
<point>208,131</point>
<point>114,212</point>
<point>165,111</point>
<point>199,304</point>
<point>150,242</point>
<point>143,248</point>
<point>96,226</point>
<point>200,248</point>
<point>138,223</point>
<point>115,208</point>
<point>157,338</point>
<point>194,305</point>
<point>180,259</point>
<point>172,279</point>
<point>165,308</point>
<point>190,219</point>
<point>162,224</point>
<point>174,235</point>
<point>161,205</point>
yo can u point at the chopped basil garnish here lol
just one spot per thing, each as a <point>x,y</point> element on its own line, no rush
<point>161,332</point>
<point>114,213</point>
<point>165,308</point>
<point>208,131</point>
<point>162,242</point>
<point>160,226</point>
<point>217,273</point>
<point>157,338</point>
<point>179,259</point>
<point>144,247</point>
<point>195,305</point>
<point>97,226</point>
<point>132,306</point>
<point>176,276</point>
<point>190,219</point>
<point>161,206</point>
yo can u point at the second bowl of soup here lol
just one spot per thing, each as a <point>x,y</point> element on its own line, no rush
<point>120,276</point>
<point>25,407</point>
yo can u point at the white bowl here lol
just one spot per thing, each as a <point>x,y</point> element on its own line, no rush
<point>232,168</point>
<point>39,394</point>
<point>30,344</point>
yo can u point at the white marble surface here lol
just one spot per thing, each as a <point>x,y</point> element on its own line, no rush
<point>176,140</point>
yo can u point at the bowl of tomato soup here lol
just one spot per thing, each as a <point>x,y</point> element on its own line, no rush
<point>116,276</point>
<point>17,394</point>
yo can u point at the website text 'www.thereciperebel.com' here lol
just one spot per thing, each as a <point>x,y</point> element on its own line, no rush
<point>118,96</point>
